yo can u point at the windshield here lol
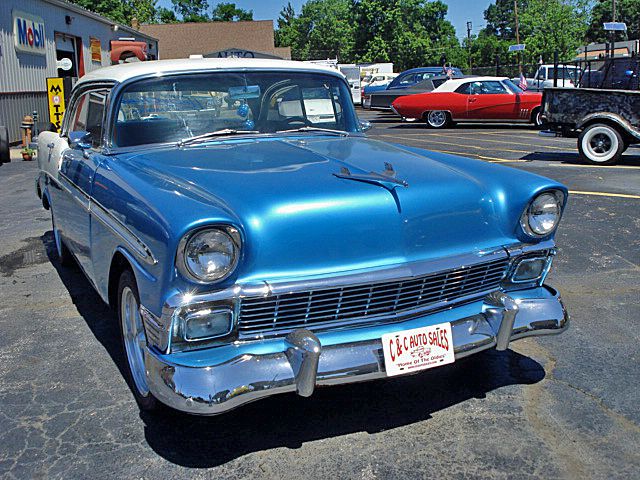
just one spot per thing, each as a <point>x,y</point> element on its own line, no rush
<point>173,108</point>
<point>512,86</point>
<point>564,73</point>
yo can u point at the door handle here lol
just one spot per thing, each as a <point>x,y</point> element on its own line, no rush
<point>471,100</point>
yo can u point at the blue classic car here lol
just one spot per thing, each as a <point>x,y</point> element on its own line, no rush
<point>272,247</point>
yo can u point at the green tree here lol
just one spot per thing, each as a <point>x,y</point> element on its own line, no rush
<point>122,11</point>
<point>324,29</point>
<point>569,19</point>
<point>165,15</point>
<point>627,11</point>
<point>228,12</point>
<point>191,10</point>
<point>116,10</point>
<point>501,18</point>
<point>408,32</point>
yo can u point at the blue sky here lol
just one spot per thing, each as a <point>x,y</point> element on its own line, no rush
<point>460,11</point>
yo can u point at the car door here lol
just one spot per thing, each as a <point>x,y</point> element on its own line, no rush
<point>77,169</point>
<point>490,100</point>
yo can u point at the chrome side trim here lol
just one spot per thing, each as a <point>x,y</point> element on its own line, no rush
<point>79,195</point>
<point>106,218</point>
<point>117,227</point>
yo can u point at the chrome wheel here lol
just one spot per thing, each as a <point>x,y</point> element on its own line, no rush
<point>437,118</point>
<point>134,339</point>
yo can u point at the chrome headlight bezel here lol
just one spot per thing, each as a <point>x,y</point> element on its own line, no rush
<point>181,259</point>
<point>525,218</point>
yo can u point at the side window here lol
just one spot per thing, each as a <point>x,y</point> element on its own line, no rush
<point>464,88</point>
<point>407,80</point>
<point>489,88</point>
<point>88,115</point>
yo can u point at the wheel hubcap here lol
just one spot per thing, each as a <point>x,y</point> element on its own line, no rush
<point>134,339</point>
<point>600,144</point>
<point>437,118</point>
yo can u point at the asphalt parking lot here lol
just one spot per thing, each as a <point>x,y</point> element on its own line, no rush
<point>553,407</point>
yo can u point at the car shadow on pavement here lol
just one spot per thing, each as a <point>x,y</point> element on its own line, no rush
<point>289,420</point>
<point>630,158</point>
<point>100,319</point>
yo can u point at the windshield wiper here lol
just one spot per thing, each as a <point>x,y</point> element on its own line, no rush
<point>342,133</point>
<point>217,133</point>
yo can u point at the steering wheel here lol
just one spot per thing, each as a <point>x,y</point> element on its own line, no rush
<point>292,120</point>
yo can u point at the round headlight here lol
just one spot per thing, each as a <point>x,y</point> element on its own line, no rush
<point>209,255</point>
<point>543,214</point>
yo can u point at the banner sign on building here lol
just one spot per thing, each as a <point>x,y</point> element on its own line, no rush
<point>28,33</point>
<point>96,52</point>
<point>55,94</point>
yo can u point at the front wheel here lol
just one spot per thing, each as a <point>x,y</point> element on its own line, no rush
<point>134,340</point>
<point>600,144</point>
<point>438,119</point>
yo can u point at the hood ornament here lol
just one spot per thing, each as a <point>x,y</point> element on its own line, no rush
<point>386,179</point>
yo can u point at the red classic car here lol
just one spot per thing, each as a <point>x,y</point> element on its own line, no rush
<point>472,99</point>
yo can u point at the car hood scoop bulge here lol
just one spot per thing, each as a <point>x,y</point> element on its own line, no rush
<point>310,206</point>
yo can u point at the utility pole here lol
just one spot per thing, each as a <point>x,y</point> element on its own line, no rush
<point>515,8</point>
<point>469,26</point>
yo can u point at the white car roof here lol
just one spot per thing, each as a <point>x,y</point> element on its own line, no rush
<point>451,85</point>
<point>125,71</point>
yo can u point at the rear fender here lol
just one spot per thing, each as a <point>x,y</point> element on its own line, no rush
<point>610,118</point>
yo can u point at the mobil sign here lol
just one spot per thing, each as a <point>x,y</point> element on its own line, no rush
<point>28,33</point>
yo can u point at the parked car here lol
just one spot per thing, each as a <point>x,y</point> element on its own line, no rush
<point>377,79</point>
<point>276,248</point>
<point>568,76</point>
<point>382,99</point>
<point>622,73</point>
<point>369,90</point>
<point>606,122</point>
<point>486,99</point>
<point>408,79</point>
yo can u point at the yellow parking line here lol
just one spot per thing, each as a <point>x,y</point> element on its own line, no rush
<point>505,141</point>
<point>605,194</point>
<point>454,144</point>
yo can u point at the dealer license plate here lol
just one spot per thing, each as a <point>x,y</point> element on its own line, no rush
<point>409,351</point>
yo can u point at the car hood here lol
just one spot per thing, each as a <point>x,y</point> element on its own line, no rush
<point>300,219</point>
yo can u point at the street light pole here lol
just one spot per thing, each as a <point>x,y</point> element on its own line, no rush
<point>469,26</point>
<point>515,8</point>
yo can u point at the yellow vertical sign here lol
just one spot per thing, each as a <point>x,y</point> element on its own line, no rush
<point>55,94</point>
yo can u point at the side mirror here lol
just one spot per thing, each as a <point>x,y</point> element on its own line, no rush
<point>80,140</point>
<point>365,125</point>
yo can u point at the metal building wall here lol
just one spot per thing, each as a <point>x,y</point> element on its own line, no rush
<point>23,76</point>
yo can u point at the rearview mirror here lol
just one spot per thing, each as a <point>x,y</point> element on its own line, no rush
<point>80,140</point>
<point>244,92</point>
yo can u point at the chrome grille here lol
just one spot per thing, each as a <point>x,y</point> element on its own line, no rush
<point>319,308</point>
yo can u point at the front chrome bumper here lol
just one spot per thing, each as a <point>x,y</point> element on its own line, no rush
<point>213,381</point>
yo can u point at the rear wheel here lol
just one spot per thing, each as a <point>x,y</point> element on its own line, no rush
<point>134,340</point>
<point>536,117</point>
<point>438,119</point>
<point>600,144</point>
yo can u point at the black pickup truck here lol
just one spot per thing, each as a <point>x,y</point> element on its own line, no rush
<point>606,122</point>
<point>603,113</point>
